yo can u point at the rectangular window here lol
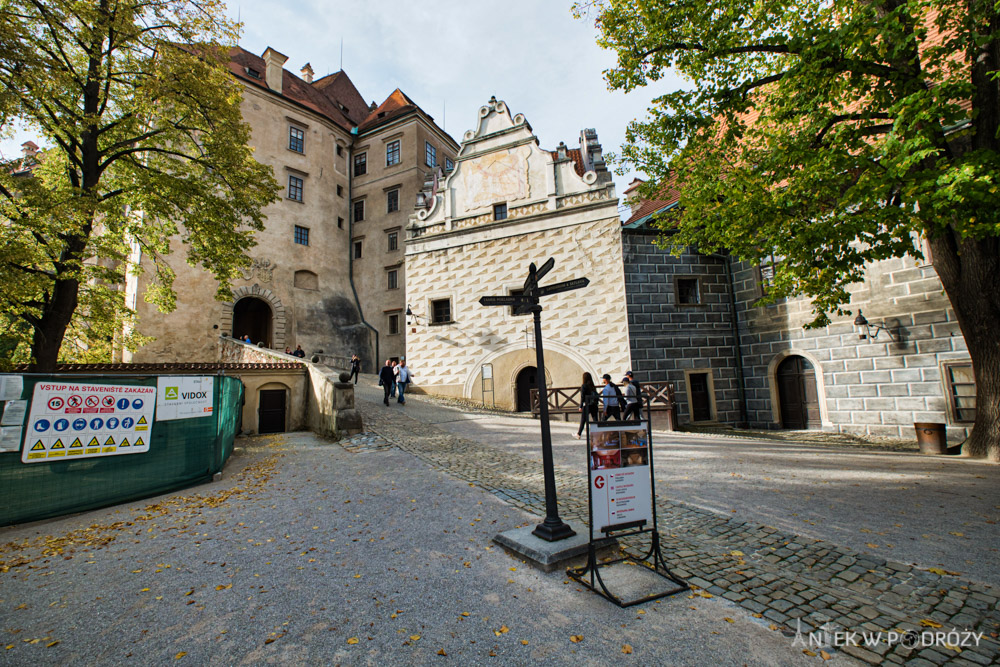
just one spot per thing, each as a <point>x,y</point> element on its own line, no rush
<point>296,140</point>
<point>448,164</point>
<point>441,311</point>
<point>765,278</point>
<point>340,223</point>
<point>359,210</point>
<point>686,292</point>
<point>392,279</point>
<point>357,250</point>
<point>392,153</point>
<point>295,188</point>
<point>430,155</point>
<point>393,324</point>
<point>340,150</point>
<point>361,164</point>
<point>301,235</point>
<point>340,190</point>
<point>961,384</point>
<point>500,211</point>
<point>392,201</point>
<point>393,241</point>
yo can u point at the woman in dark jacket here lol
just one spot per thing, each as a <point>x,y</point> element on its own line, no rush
<point>588,399</point>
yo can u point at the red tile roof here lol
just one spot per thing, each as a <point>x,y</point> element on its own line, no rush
<point>667,194</point>
<point>397,104</point>
<point>578,163</point>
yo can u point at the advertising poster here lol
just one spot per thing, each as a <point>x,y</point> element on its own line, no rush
<point>80,420</point>
<point>620,487</point>
<point>181,397</point>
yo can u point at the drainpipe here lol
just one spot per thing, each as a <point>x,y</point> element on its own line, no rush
<point>350,244</point>
<point>741,395</point>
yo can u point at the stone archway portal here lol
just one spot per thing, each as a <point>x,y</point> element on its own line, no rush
<point>253,317</point>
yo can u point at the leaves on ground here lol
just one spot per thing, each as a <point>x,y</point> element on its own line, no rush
<point>576,639</point>
<point>353,640</point>
<point>627,649</point>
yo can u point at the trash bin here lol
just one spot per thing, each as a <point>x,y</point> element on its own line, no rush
<point>932,438</point>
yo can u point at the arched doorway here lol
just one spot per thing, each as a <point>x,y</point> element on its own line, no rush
<point>799,401</point>
<point>526,380</point>
<point>252,317</point>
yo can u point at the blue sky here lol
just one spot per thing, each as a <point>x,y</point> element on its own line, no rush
<point>451,56</point>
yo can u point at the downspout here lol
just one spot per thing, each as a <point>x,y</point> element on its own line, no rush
<point>741,395</point>
<point>350,244</point>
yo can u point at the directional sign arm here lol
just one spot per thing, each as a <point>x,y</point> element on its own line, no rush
<point>565,286</point>
<point>506,300</point>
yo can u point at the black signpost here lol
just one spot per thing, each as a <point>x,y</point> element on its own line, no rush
<point>552,528</point>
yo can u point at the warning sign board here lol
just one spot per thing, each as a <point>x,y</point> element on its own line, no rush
<point>180,397</point>
<point>64,416</point>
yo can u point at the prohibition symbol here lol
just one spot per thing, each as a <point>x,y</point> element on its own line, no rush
<point>109,401</point>
<point>92,401</point>
<point>55,403</point>
<point>74,401</point>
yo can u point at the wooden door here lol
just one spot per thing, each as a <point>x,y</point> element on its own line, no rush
<point>701,399</point>
<point>799,400</point>
<point>526,380</point>
<point>271,411</point>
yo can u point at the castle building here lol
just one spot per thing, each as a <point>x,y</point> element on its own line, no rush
<point>327,272</point>
<point>506,204</point>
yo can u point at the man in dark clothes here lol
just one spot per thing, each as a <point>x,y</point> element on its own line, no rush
<point>355,367</point>
<point>387,379</point>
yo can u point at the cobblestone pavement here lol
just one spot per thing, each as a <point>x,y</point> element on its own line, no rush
<point>779,575</point>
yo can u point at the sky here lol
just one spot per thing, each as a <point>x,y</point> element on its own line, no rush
<point>451,56</point>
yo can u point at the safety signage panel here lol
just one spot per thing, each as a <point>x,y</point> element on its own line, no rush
<point>620,488</point>
<point>83,420</point>
<point>181,397</point>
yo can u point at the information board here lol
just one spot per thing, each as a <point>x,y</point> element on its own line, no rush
<point>77,420</point>
<point>620,489</point>
<point>183,397</point>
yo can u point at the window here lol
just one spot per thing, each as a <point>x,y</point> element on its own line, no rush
<point>393,241</point>
<point>301,235</point>
<point>357,250</point>
<point>340,223</point>
<point>961,385</point>
<point>359,210</point>
<point>392,201</point>
<point>252,72</point>
<point>340,150</point>
<point>441,311</point>
<point>500,212</point>
<point>686,291</point>
<point>340,190</point>
<point>295,188</point>
<point>392,279</point>
<point>296,140</point>
<point>393,324</point>
<point>392,153</point>
<point>361,164</point>
<point>430,155</point>
<point>448,164</point>
<point>765,278</point>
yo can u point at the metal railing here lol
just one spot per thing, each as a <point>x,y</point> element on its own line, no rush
<point>659,395</point>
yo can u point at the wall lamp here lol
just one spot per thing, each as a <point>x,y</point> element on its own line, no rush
<point>868,330</point>
<point>412,317</point>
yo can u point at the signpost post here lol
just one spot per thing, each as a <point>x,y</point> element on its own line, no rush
<point>552,528</point>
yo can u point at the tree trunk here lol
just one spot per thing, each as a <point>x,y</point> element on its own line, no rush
<point>970,272</point>
<point>51,329</point>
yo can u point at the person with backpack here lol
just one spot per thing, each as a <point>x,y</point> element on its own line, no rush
<point>613,399</point>
<point>632,402</point>
<point>588,402</point>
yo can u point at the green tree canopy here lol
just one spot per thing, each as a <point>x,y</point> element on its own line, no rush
<point>146,143</point>
<point>830,134</point>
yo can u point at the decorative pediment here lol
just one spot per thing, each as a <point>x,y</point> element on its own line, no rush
<point>494,117</point>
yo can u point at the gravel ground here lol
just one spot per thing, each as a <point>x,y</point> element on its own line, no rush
<point>305,547</point>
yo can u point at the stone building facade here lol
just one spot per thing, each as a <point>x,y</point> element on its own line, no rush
<point>318,277</point>
<point>687,312</point>
<point>509,203</point>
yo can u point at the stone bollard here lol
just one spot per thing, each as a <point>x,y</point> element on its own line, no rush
<point>347,420</point>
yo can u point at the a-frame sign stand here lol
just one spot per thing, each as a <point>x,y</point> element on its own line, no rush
<point>618,452</point>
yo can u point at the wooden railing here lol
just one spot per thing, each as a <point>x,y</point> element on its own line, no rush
<point>562,400</point>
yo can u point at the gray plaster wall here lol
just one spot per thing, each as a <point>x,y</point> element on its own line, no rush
<point>665,338</point>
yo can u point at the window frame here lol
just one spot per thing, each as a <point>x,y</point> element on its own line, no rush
<point>500,212</point>
<point>392,279</point>
<point>954,411</point>
<point>354,210</point>
<point>358,249</point>
<point>449,164</point>
<point>393,152</point>
<point>301,234</point>
<point>697,292</point>
<point>392,200</point>
<point>296,144</point>
<point>360,164</point>
<point>392,241</point>
<point>294,189</point>
<point>430,154</point>
<point>432,310</point>
<point>392,322</point>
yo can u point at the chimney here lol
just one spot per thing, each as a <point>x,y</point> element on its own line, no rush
<point>274,62</point>
<point>307,73</point>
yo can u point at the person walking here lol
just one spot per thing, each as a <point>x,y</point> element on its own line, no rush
<point>387,380</point>
<point>355,368</point>
<point>588,402</point>
<point>395,378</point>
<point>405,377</point>
<point>632,404</point>
<point>612,396</point>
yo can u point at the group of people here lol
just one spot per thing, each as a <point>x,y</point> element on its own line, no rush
<point>393,378</point>
<point>297,352</point>
<point>612,399</point>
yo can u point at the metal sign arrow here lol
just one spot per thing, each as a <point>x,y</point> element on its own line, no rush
<point>506,300</point>
<point>565,286</point>
<point>536,274</point>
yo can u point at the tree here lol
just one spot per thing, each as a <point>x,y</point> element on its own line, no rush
<point>147,144</point>
<point>833,135</point>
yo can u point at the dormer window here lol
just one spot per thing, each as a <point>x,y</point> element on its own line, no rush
<point>252,72</point>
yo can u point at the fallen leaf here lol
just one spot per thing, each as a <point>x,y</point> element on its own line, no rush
<point>222,587</point>
<point>51,644</point>
<point>576,639</point>
<point>825,655</point>
<point>180,655</point>
<point>465,613</point>
<point>627,649</point>
<point>353,640</point>
<point>808,652</point>
<point>441,652</point>
<point>928,623</point>
<point>415,637</point>
<point>524,642</point>
<point>957,534</point>
<point>269,640</point>
<point>728,620</point>
<point>736,553</point>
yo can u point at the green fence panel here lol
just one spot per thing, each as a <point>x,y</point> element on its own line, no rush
<point>181,453</point>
